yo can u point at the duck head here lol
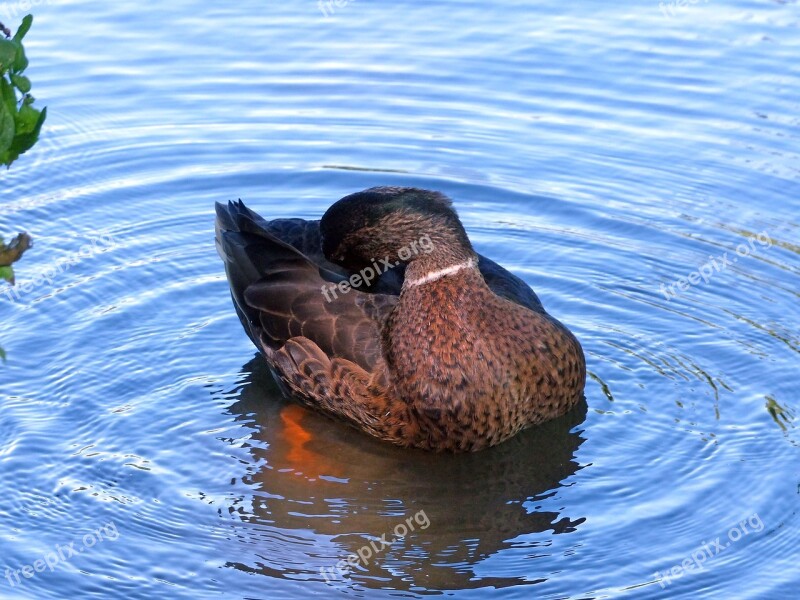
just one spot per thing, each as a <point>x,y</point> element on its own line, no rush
<point>403,225</point>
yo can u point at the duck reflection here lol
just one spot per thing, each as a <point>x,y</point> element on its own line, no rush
<point>324,491</point>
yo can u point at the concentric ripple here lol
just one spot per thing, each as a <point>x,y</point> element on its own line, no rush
<point>637,167</point>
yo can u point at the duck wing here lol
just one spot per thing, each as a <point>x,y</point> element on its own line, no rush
<point>304,236</point>
<point>277,289</point>
<point>507,285</point>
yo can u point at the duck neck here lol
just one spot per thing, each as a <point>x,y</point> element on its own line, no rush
<point>430,269</point>
<point>435,322</point>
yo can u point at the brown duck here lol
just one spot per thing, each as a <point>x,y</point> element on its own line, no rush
<point>382,314</point>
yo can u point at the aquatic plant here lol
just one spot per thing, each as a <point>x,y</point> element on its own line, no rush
<point>20,124</point>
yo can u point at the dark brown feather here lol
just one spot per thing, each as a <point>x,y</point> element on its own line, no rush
<point>460,363</point>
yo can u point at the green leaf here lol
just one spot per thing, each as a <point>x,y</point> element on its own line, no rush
<point>2,354</point>
<point>8,54</point>
<point>24,142</point>
<point>22,83</point>
<point>8,96</point>
<point>7,273</point>
<point>26,119</point>
<point>21,62</point>
<point>40,122</point>
<point>7,128</point>
<point>27,21</point>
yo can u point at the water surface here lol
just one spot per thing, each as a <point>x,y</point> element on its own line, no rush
<point>599,152</point>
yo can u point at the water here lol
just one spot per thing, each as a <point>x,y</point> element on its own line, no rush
<point>597,151</point>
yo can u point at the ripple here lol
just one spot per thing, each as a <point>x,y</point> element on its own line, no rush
<point>598,154</point>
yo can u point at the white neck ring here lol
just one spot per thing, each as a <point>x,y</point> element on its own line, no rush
<point>436,275</point>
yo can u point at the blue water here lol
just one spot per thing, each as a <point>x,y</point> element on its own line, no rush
<point>598,151</point>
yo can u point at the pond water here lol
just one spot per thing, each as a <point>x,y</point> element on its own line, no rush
<point>636,164</point>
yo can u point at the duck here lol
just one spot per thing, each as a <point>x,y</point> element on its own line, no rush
<point>381,314</point>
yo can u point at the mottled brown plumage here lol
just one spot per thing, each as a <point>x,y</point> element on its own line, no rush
<point>447,351</point>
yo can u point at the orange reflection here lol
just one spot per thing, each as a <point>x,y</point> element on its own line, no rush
<point>299,456</point>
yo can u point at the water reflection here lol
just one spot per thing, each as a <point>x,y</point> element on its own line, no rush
<point>322,491</point>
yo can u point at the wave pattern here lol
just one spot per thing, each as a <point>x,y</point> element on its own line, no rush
<point>637,164</point>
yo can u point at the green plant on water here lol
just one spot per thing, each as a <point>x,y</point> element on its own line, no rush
<point>20,124</point>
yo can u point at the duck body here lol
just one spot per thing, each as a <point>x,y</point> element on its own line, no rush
<point>444,350</point>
